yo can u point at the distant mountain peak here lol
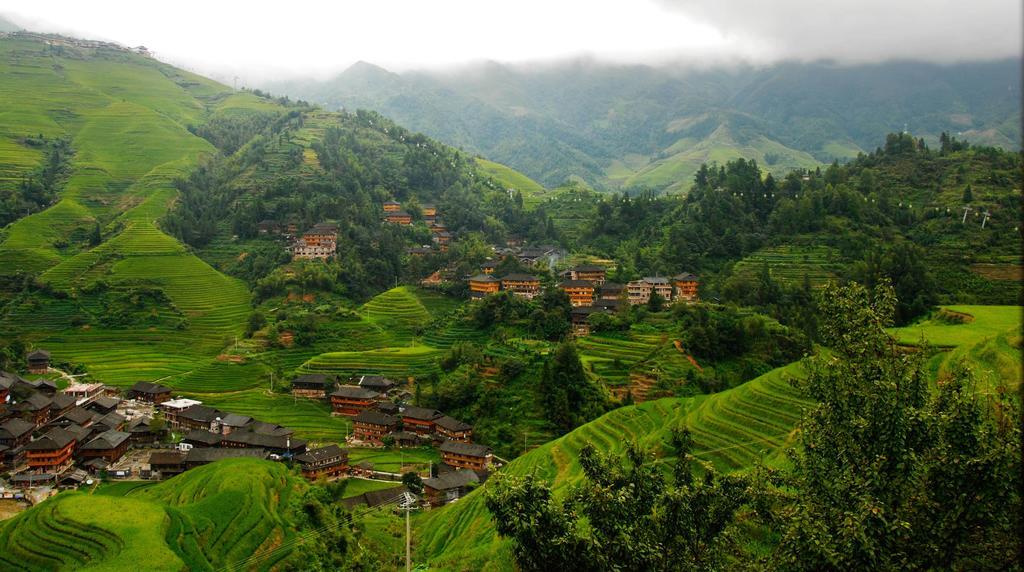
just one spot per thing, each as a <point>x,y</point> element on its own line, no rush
<point>366,69</point>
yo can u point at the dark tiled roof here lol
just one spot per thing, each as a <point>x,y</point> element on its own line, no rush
<point>106,440</point>
<point>321,454</point>
<point>452,480</point>
<point>199,436</point>
<point>105,402</point>
<point>14,428</point>
<point>589,268</point>
<point>38,354</point>
<point>110,420</point>
<point>54,439</point>
<point>375,418</point>
<point>612,287</point>
<point>235,420</point>
<point>686,277</point>
<point>453,424</point>
<point>269,428</point>
<point>200,413</point>
<point>375,382</point>
<point>355,392</point>
<point>62,401</point>
<point>521,278</point>
<point>252,439</point>
<point>655,280</point>
<point>78,415</point>
<point>483,278</point>
<point>421,413</point>
<point>151,388</point>
<point>34,402</point>
<point>468,449</point>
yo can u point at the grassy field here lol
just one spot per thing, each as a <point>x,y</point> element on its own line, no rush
<point>206,519</point>
<point>989,340</point>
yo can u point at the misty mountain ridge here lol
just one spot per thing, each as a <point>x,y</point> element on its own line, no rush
<point>629,126</point>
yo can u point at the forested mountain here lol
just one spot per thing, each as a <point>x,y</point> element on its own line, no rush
<point>638,126</point>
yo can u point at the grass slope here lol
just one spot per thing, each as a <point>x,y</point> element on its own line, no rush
<point>205,519</point>
<point>126,117</point>
<point>533,192</point>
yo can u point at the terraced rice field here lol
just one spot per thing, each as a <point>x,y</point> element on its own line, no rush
<point>393,460</point>
<point>208,518</point>
<point>610,357</point>
<point>396,362</point>
<point>731,430</point>
<point>398,311</point>
<point>789,264</point>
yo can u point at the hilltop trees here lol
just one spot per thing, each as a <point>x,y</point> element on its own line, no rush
<point>887,476</point>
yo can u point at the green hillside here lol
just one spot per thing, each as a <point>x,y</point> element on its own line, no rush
<point>732,430</point>
<point>510,178</point>
<point>127,119</point>
<point>206,519</point>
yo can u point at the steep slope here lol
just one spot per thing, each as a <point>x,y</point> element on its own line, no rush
<point>127,119</point>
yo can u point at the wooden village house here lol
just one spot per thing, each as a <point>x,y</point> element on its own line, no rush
<point>38,361</point>
<point>110,446</point>
<point>372,426</point>
<point>329,461</point>
<point>640,291</point>
<point>149,392</point>
<point>449,487</point>
<point>686,286</point>
<point>483,284</point>
<point>350,400</point>
<point>453,429</point>
<point>580,292</point>
<point>522,285</point>
<point>466,455</point>
<point>51,453</point>
<point>398,217</point>
<point>588,272</point>
<point>420,420</point>
<point>312,386</point>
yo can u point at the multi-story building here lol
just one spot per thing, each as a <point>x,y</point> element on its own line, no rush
<point>686,287</point>
<point>319,242</point>
<point>392,206</point>
<point>51,453</point>
<point>372,426</point>
<point>398,217</point>
<point>451,428</point>
<point>350,400</point>
<point>522,285</point>
<point>588,272</point>
<point>640,290</point>
<point>420,420</point>
<point>483,284</point>
<point>329,461</point>
<point>466,455</point>
<point>580,292</point>
<point>312,385</point>
<point>149,392</point>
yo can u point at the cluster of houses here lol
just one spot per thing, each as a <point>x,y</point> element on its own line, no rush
<point>440,235</point>
<point>379,416</point>
<point>317,243</point>
<point>588,290</point>
<point>51,436</point>
<point>58,438</point>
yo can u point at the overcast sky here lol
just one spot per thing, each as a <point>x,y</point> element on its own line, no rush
<point>260,40</point>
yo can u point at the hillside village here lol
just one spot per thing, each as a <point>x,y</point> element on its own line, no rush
<point>57,439</point>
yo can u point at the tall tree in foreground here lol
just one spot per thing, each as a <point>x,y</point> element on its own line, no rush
<point>623,516</point>
<point>570,399</point>
<point>887,475</point>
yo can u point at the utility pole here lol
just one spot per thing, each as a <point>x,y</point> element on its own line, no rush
<point>986,214</point>
<point>967,209</point>
<point>408,499</point>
